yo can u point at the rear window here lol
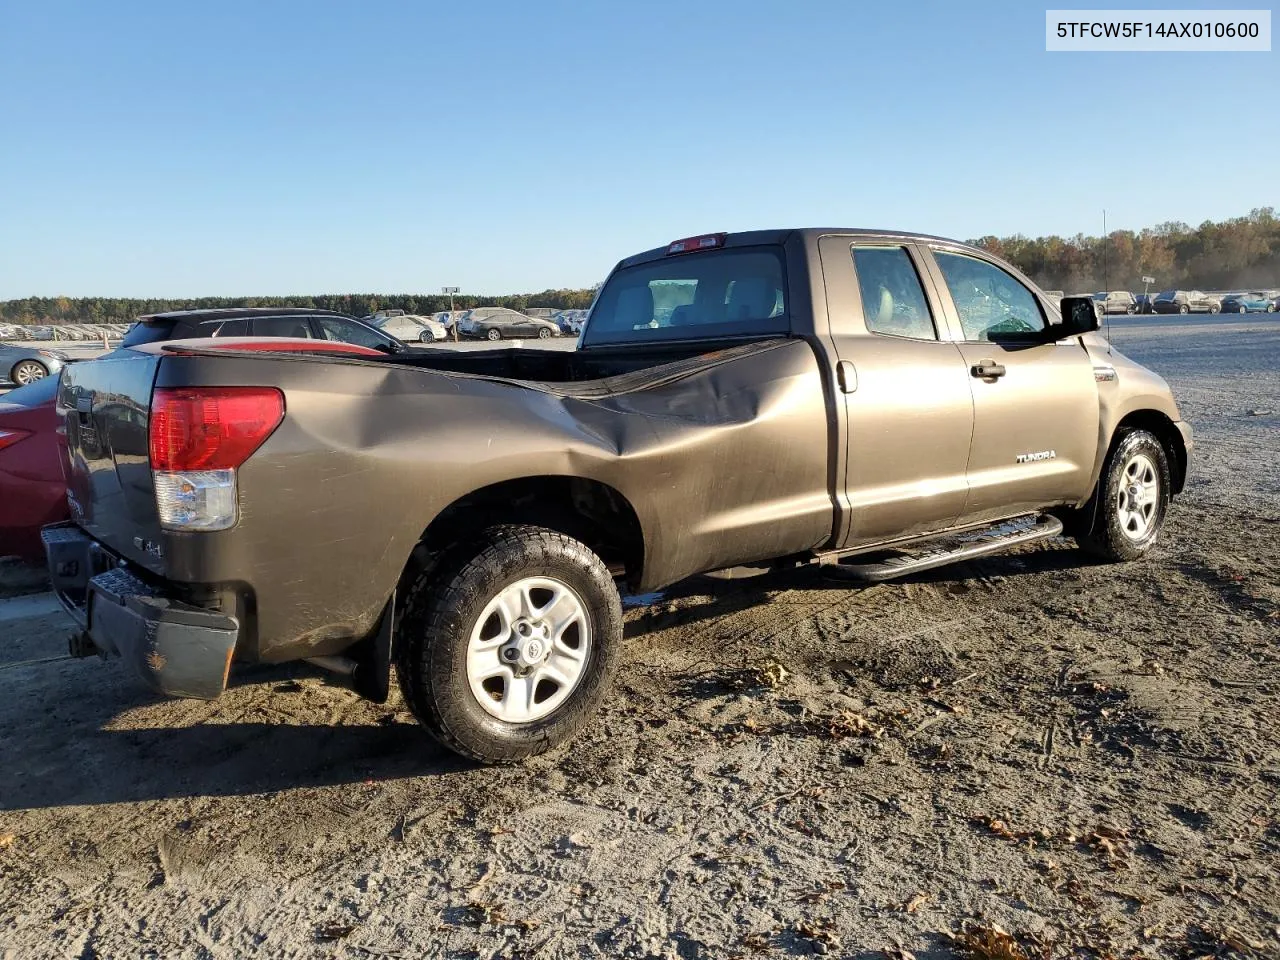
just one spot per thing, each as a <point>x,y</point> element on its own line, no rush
<point>722,293</point>
<point>141,333</point>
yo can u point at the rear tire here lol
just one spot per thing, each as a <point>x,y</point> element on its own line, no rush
<point>493,334</point>
<point>1129,504</point>
<point>453,644</point>
<point>1184,309</point>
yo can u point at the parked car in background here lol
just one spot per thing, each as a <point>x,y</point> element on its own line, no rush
<point>1255,301</point>
<point>408,326</point>
<point>32,488</point>
<point>1143,302</point>
<point>570,321</point>
<point>1116,301</point>
<point>501,323</point>
<point>23,364</point>
<point>1185,301</point>
<point>297,322</point>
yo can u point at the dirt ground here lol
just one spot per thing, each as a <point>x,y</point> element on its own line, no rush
<point>1083,756</point>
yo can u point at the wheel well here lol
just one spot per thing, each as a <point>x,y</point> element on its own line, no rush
<point>587,510</point>
<point>1162,428</point>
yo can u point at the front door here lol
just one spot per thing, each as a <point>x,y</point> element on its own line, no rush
<point>1035,405</point>
<point>905,391</point>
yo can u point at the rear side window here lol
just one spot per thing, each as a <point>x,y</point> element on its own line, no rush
<point>226,328</point>
<point>281,327</point>
<point>893,301</point>
<point>725,293</point>
<point>990,302</point>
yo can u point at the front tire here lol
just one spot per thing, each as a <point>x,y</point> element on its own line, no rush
<point>1131,500</point>
<point>544,333</point>
<point>28,371</point>
<point>507,648</point>
<point>1184,309</point>
<point>1215,308</point>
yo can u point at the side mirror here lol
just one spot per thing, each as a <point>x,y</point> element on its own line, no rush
<point>1079,315</point>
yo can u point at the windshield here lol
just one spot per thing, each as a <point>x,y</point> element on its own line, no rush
<point>722,293</point>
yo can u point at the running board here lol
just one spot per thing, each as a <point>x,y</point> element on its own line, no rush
<point>1002,536</point>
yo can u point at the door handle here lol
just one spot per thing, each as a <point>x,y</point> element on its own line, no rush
<point>847,376</point>
<point>987,370</point>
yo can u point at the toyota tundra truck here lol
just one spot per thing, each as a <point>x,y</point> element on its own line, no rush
<point>877,402</point>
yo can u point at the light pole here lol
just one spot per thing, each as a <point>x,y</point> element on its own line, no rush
<point>450,292</point>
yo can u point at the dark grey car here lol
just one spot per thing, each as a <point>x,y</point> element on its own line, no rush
<point>260,322</point>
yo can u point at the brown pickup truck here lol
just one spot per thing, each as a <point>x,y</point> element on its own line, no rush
<point>878,402</point>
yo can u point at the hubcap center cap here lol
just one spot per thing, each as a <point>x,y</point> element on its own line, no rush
<point>531,644</point>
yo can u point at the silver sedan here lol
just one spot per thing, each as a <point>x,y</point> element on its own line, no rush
<point>23,363</point>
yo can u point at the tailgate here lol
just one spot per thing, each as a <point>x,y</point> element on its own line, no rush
<point>105,406</point>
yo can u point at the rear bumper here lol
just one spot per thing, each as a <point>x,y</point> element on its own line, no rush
<point>176,648</point>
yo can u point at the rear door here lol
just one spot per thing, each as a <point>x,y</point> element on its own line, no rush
<point>1035,406</point>
<point>904,387</point>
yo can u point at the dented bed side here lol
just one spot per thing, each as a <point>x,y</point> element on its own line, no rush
<point>368,455</point>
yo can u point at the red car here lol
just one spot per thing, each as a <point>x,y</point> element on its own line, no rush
<point>32,489</point>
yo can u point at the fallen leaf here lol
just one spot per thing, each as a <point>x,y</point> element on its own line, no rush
<point>916,902</point>
<point>6,840</point>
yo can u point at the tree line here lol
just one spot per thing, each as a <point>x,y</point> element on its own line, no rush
<point>1241,252</point>
<point>39,310</point>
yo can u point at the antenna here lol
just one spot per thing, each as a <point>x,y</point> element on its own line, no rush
<point>1106,282</point>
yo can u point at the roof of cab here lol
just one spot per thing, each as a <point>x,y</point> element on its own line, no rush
<point>751,238</point>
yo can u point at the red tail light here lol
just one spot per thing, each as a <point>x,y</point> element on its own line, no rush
<point>211,428</point>
<point>11,435</point>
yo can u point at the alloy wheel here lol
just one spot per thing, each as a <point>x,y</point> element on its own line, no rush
<point>528,650</point>
<point>28,371</point>
<point>1138,497</point>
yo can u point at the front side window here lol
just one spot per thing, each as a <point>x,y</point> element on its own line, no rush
<point>348,331</point>
<point>893,301</point>
<point>721,293</point>
<point>990,302</point>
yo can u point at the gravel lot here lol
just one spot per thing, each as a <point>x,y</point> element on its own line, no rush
<point>1084,756</point>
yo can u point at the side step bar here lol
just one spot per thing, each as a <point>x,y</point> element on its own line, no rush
<point>1002,536</point>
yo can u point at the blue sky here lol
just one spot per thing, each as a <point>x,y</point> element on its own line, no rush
<point>183,149</point>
